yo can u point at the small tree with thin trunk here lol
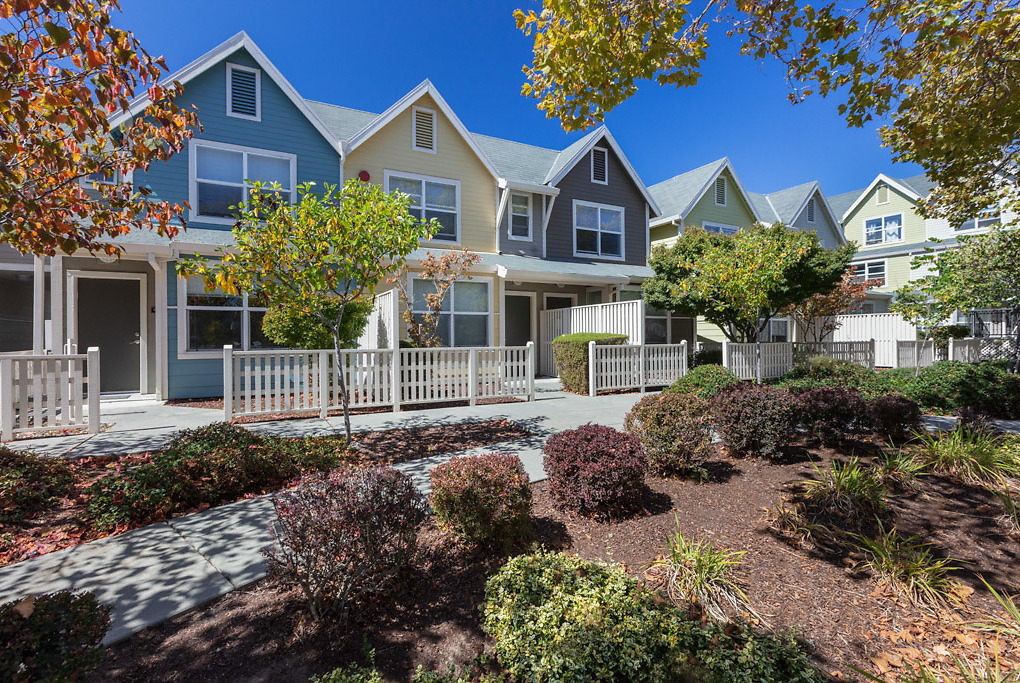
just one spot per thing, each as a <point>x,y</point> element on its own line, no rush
<point>818,315</point>
<point>440,272</point>
<point>318,255</point>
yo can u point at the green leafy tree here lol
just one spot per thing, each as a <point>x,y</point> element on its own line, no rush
<point>741,281</point>
<point>317,256</point>
<point>297,329</point>
<point>943,74</point>
<point>982,272</point>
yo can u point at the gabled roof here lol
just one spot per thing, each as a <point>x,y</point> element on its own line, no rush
<point>404,103</point>
<point>517,161</point>
<point>786,206</point>
<point>237,42</point>
<point>841,202</point>
<point>678,195</point>
<point>916,188</point>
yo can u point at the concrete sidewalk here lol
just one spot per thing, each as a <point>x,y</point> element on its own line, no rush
<point>155,572</point>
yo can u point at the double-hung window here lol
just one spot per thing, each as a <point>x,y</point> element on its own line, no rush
<point>430,198</point>
<point>211,320</point>
<point>464,314</point>
<point>986,219</point>
<point>869,270</point>
<point>598,230</point>
<point>884,229</point>
<point>222,177</point>
<point>520,216</point>
<point>720,228</point>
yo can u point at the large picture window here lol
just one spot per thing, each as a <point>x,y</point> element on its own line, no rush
<point>869,270</point>
<point>598,230</point>
<point>986,219</point>
<point>884,229</point>
<point>431,198</point>
<point>464,315</point>
<point>222,175</point>
<point>214,319</point>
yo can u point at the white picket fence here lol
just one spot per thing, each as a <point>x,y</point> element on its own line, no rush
<point>621,317</point>
<point>47,393</point>
<point>634,366</point>
<point>768,360</point>
<point>291,381</point>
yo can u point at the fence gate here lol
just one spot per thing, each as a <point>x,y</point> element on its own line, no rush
<point>613,367</point>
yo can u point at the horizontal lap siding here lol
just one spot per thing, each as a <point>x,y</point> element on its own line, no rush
<point>736,212</point>
<point>621,191</point>
<point>828,232</point>
<point>914,232</point>
<point>532,247</point>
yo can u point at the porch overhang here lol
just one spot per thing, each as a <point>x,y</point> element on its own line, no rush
<point>532,269</point>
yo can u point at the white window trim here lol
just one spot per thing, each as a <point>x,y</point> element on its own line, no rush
<point>623,231</point>
<point>387,174</point>
<point>414,130</point>
<point>669,316</point>
<point>725,192</point>
<point>193,146</point>
<point>510,218</point>
<point>89,183</point>
<point>705,224</point>
<point>864,230</point>
<point>979,217</point>
<point>258,92</point>
<point>491,313</point>
<point>591,160</point>
<point>560,295</point>
<point>885,269</point>
<point>183,335</point>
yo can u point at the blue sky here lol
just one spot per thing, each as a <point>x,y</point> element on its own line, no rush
<point>367,54</point>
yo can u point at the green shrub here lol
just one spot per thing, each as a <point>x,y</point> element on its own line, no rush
<point>755,419</point>
<point>833,414</point>
<point>942,334</point>
<point>484,499</point>
<point>675,431</point>
<point>52,637</point>
<point>704,381</point>
<point>894,417</point>
<point>560,618</point>
<point>210,465</point>
<point>821,371</point>
<point>353,673</point>
<point>570,351</point>
<point>294,329</point>
<point>29,482</point>
<point>951,385</point>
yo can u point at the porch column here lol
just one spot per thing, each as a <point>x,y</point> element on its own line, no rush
<point>38,306</point>
<point>57,304</point>
<point>159,270</point>
<point>501,303</point>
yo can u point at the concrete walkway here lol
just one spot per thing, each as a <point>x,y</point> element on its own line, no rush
<point>155,572</point>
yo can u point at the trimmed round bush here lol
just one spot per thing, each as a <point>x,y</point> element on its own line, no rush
<point>821,371</point>
<point>832,414</point>
<point>950,385</point>
<point>704,381</point>
<point>894,417</point>
<point>595,470</point>
<point>675,431</point>
<point>52,637</point>
<point>29,482</point>
<point>343,536</point>
<point>484,499</point>
<point>755,419</point>
<point>570,353</point>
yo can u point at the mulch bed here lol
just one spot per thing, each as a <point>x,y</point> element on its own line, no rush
<point>217,404</point>
<point>62,525</point>
<point>432,619</point>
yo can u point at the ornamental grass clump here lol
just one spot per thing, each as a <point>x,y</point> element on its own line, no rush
<point>484,499</point>
<point>846,491</point>
<point>755,419</point>
<point>972,454</point>
<point>595,470</point>
<point>342,537</point>
<point>910,565</point>
<point>675,431</point>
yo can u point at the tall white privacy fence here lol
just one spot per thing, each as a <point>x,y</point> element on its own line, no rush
<point>292,381</point>
<point>768,360</point>
<point>47,393</point>
<point>885,328</point>
<point>621,317</point>
<point>634,366</point>
<point>383,325</point>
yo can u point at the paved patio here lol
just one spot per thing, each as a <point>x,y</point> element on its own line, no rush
<point>155,572</point>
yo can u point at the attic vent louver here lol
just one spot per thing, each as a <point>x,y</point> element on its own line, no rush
<point>882,194</point>
<point>720,191</point>
<point>811,210</point>
<point>599,162</point>
<point>424,130</point>
<point>243,92</point>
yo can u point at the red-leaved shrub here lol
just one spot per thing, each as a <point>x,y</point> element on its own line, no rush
<point>484,499</point>
<point>675,431</point>
<point>832,414</point>
<point>894,417</point>
<point>755,419</point>
<point>595,470</point>
<point>343,536</point>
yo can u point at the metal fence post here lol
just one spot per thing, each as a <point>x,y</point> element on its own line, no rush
<point>472,376</point>
<point>530,369</point>
<point>6,399</point>
<point>325,389</point>
<point>228,382</point>
<point>93,369</point>
<point>591,368</point>
<point>395,388</point>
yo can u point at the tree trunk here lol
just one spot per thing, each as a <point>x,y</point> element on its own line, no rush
<point>342,385</point>
<point>1014,359</point>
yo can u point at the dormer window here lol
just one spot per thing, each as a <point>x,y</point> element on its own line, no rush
<point>423,133</point>
<point>599,166</point>
<point>720,191</point>
<point>244,92</point>
<point>811,210</point>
